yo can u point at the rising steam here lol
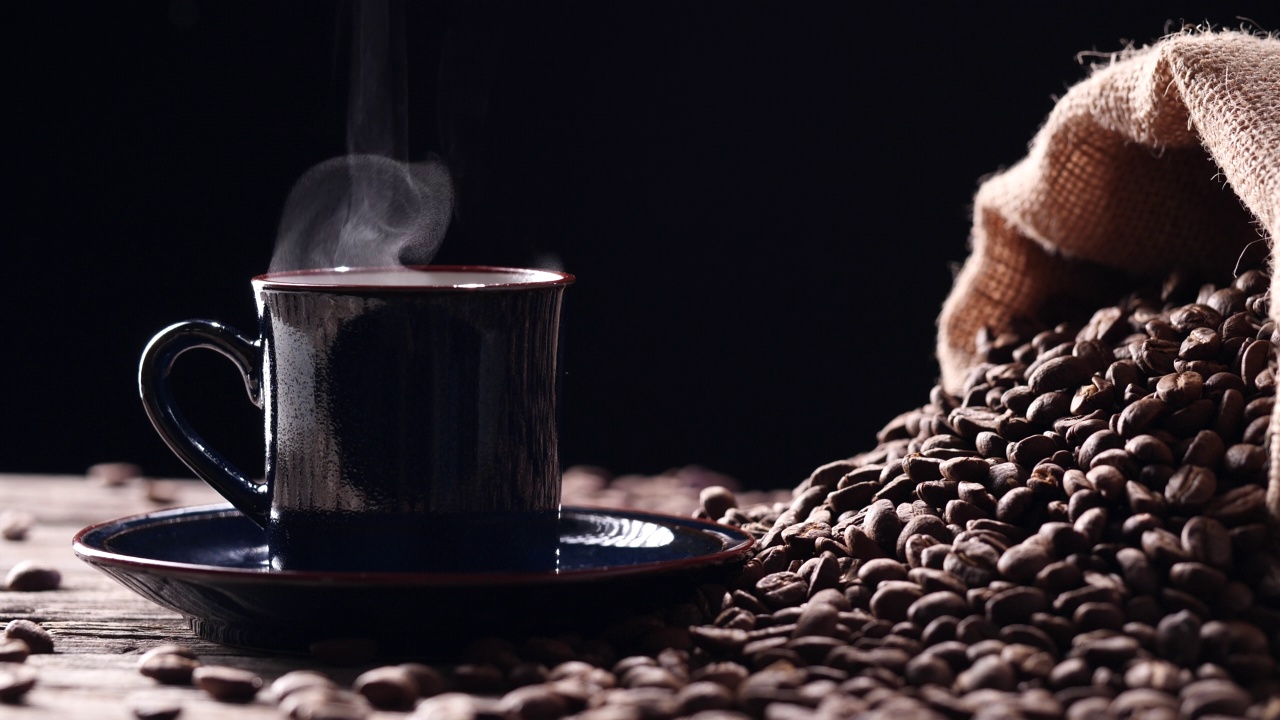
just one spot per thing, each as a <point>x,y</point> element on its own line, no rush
<point>369,208</point>
<point>364,211</point>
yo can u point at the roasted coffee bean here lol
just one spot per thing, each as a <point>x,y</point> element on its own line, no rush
<point>716,501</point>
<point>16,524</point>
<point>1155,674</point>
<point>1048,407</point>
<point>169,668</point>
<point>1023,561</point>
<point>1091,616</point>
<point>1248,539</point>
<point>227,684</point>
<point>898,490</point>
<point>1086,427</point>
<point>1180,389</point>
<point>1213,697</point>
<point>937,492</point>
<point>36,637</point>
<point>1001,477</point>
<point>1229,418</point>
<point>1197,578</point>
<point>298,680</point>
<point>1016,605</point>
<point>1242,459</point>
<point>933,580</point>
<point>1149,449</point>
<point>1061,539</point>
<point>960,512</point>
<point>1097,394</point>
<point>801,538</point>
<point>922,469</point>
<point>1205,449</point>
<point>1014,504</point>
<point>460,706</point>
<point>882,525</point>
<point>1135,525</point>
<point>873,572</point>
<point>920,525</point>
<point>1139,415</point>
<point>990,672</point>
<point>782,589</point>
<point>935,605</point>
<point>1191,487</point>
<point>324,703</point>
<point>974,562</point>
<point>852,497</point>
<point>1243,505</point>
<point>113,474</point>
<point>1139,576</point>
<point>168,649</point>
<point>894,598</point>
<point>388,688</point>
<point>30,576</point>
<point>1091,520</point>
<point>15,681</point>
<point>1061,373</point>
<point>1178,638</point>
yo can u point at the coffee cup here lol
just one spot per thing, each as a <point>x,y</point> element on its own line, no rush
<point>409,417</point>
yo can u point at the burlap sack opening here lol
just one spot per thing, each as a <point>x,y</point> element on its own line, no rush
<point>1168,157</point>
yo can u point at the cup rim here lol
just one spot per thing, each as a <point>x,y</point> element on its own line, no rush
<point>296,281</point>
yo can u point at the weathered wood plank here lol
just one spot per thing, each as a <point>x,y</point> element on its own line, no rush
<point>99,627</point>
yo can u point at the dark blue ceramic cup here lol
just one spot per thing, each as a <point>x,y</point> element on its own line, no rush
<point>410,417</point>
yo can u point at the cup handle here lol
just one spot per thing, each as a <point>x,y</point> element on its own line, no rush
<point>158,359</point>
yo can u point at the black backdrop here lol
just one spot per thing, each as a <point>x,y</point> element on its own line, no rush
<point>763,204</point>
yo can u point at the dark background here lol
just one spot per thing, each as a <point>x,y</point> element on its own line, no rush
<point>763,204</point>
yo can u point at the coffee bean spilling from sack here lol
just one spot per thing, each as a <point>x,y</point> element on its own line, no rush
<point>1082,531</point>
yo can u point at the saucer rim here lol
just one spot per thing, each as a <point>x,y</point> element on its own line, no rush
<point>738,544</point>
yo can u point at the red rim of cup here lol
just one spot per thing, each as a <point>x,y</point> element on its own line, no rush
<point>277,280</point>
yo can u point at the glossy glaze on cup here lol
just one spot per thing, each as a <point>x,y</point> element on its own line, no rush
<point>407,425</point>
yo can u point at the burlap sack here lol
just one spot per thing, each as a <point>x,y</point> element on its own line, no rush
<point>1169,156</point>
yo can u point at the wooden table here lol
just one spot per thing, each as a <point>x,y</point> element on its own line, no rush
<point>99,627</point>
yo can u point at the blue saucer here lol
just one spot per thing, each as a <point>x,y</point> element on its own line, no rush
<point>209,563</point>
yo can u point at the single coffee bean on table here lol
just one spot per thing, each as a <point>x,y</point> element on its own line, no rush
<point>38,639</point>
<point>16,524</point>
<point>31,576</point>
<point>113,474</point>
<point>169,664</point>
<point>226,684</point>
<point>388,688</point>
<point>296,680</point>
<point>169,668</point>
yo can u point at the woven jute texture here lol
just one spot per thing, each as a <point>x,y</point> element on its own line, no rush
<point>1166,158</point>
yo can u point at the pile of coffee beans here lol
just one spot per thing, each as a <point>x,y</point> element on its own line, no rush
<point>1081,532</point>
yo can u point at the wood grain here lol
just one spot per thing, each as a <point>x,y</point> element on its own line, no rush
<point>99,627</point>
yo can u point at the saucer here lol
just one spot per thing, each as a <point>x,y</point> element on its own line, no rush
<point>209,563</point>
